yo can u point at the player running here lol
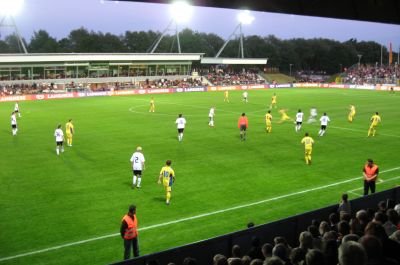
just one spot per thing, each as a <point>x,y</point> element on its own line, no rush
<point>375,120</point>
<point>16,109</point>
<point>180,123</point>
<point>243,124</point>
<point>299,120</point>
<point>324,123</point>
<point>226,96</point>
<point>14,126</point>
<point>167,176</point>
<point>352,113</point>
<point>273,101</point>
<point>284,116</point>
<point>313,115</point>
<point>137,161</point>
<point>245,96</point>
<point>69,131</point>
<point>211,115</point>
<point>268,121</point>
<point>58,133</point>
<point>308,144</point>
<point>152,105</point>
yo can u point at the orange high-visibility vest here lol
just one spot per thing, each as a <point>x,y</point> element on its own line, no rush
<point>370,171</point>
<point>131,230</point>
<point>243,121</point>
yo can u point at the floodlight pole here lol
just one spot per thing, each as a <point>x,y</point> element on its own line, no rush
<point>238,27</point>
<point>3,24</point>
<point>168,28</point>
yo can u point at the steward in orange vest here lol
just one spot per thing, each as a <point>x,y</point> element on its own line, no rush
<point>129,233</point>
<point>370,173</point>
<point>243,124</point>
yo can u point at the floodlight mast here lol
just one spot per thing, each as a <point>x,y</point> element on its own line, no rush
<point>168,28</point>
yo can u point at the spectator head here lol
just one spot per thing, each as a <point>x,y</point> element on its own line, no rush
<point>372,246</point>
<point>306,240</point>
<point>323,228</point>
<point>331,235</point>
<point>267,250</point>
<point>280,240</point>
<point>352,253</point>
<point>315,257</point>
<point>333,218</point>
<point>395,236</point>
<point>297,256</point>
<point>273,261</point>
<point>343,228</point>
<point>375,229</point>
<point>257,262</point>
<point>246,260</point>
<point>379,217</point>
<point>236,252</point>
<point>350,237</point>
<point>280,251</point>
<point>397,208</point>
<point>392,216</point>
<point>313,230</point>
<point>345,197</point>
<point>189,261</point>
<point>382,206</point>
<point>234,261</point>
<point>345,216</point>
<point>219,259</point>
<point>315,222</point>
<point>362,216</point>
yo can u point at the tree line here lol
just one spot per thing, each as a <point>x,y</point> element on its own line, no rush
<point>304,54</point>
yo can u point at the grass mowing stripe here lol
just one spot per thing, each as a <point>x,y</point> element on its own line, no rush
<point>195,217</point>
<point>380,182</point>
<point>355,130</point>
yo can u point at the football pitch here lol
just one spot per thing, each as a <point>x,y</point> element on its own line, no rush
<point>67,209</point>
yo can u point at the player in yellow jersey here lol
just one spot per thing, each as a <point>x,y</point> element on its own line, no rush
<point>152,105</point>
<point>69,130</point>
<point>352,113</point>
<point>273,101</point>
<point>284,116</point>
<point>308,145</point>
<point>268,121</point>
<point>167,176</point>
<point>226,96</point>
<point>375,120</point>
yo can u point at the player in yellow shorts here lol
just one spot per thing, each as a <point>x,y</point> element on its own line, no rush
<point>167,176</point>
<point>152,105</point>
<point>273,101</point>
<point>226,96</point>
<point>268,121</point>
<point>308,145</point>
<point>284,116</point>
<point>69,129</point>
<point>375,120</point>
<point>352,113</point>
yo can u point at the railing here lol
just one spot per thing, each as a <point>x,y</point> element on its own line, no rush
<point>290,228</point>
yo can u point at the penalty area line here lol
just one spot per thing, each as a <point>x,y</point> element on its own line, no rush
<point>189,218</point>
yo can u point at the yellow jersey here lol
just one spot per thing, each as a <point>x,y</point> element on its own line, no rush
<point>273,99</point>
<point>168,176</point>
<point>268,118</point>
<point>308,142</point>
<point>152,102</point>
<point>352,109</point>
<point>226,93</point>
<point>69,128</point>
<point>375,119</point>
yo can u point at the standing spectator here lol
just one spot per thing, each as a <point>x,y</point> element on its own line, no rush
<point>129,232</point>
<point>344,206</point>
<point>371,172</point>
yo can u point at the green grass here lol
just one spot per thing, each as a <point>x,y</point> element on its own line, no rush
<point>48,201</point>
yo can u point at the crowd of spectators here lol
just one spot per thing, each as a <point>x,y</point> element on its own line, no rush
<point>24,89</point>
<point>368,237</point>
<point>309,76</point>
<point>371,74</point>
<point>229,77</point>
<point>172,83</point>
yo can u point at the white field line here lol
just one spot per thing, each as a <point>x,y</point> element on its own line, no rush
<point>380,181</point>
<point>364,131</point>
<point>190,218</point>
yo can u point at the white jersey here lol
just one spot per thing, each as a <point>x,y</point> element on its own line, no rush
<point>137,160</point>
<point>59,135</point>
<point>324,120</point>
<point>245,94</point>
<point>313,112</point>
<point>299,117</point>
<point>212,112</point>
<point>13,120</point>
<point>16,108</point>
<point>180,122</point>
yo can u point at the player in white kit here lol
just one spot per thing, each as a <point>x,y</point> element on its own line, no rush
<point>137,160</point>
<point>59,134</point>
<point>211,115</point>
<point>245,96</point>
<point>313,115</point>
<point>14,126</point>
<point>299,120</point>
<point>324,122</point>
<point>16,109</point>
<point>180,123</point>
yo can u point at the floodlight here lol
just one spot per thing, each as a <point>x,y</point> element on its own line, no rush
<point>245,18</point>
<point>180,11</point>
<point>10,7</point>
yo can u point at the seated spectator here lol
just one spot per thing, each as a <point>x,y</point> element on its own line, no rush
<point>246,260</point>
<point>315,257</point>
<point>350,237</point>
<point>234,261</point>
<point>220,259</point>
<point>333,221</point>
<point>297,256</point>
<point>323,228</point>
<point>306,240</point>
<point>317,239</point>
<point>273,261</point>
<point>373,248</point>
<point>362,218</point>
<point>281,252</point>
<point>343,229</point>
<point>236,252</point>
<point>391,225</point>
<point>330,250</point>
<point>352,253</point>
<point>267,250</point>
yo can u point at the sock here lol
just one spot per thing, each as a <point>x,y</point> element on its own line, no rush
<point>57,151</point>
<point>181,136</point>
<point>139,181</point>
<point>323,132</point>
<point>70,141</point>
<point>134,180</point>
<point>373,132</point>
<point>168,196</point>
<point>319,133</point>
<point>299,127</point>
<point>306,158</point>
<point>62,149</point>
<point>309,159</point>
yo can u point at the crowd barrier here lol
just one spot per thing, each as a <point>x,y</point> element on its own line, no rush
<point>189,89</point>
<point>290,228</point>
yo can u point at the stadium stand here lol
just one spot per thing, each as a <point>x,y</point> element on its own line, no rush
<point>371,74</point>
<point>324,236</point>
